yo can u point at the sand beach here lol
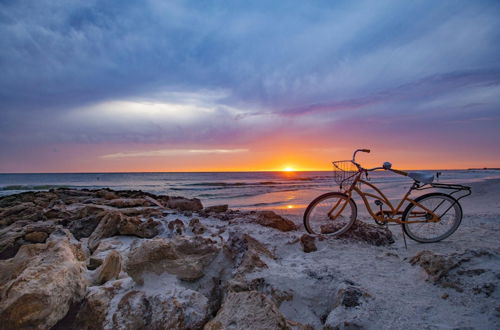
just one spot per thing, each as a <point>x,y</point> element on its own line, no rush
<point>104,259</point>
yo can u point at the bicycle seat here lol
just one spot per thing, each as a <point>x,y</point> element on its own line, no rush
<point>422,177</point>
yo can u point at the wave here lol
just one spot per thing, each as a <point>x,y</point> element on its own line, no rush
<point>36,187</point>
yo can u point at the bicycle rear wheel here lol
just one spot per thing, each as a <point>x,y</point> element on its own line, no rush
<point>331,213</point>
<point>445,206</point>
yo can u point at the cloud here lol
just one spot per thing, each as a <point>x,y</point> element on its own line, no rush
<point>171,152</point>
<point>229,75</point>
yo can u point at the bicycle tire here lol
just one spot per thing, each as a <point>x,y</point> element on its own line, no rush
<point>313,207</point>
<point>456,218</point>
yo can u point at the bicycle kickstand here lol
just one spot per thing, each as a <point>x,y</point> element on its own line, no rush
<point>404,237</point>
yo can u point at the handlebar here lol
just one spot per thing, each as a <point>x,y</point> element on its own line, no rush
<point>355,152</point>
<point>375,168</point>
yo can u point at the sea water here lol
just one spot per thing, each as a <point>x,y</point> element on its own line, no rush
<point>289,192</point>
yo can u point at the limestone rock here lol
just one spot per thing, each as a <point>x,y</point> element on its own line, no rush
<point>176,226</point>
<point>435,265</point>
<point>40,283</point>
<point>186,310</point>
<point>110,268</point>
<point>127,202</point>
<point>132,311</point>
<point>36,237</point>
<point>184,204</point>
<point>85,220</point>
<point>363,232</point>
<point>106,194</point>
<point>112,307</point>
<point>185,257</point>
<point>307,243</point>
<point>107,227</point>
<point>216,208</point>
<point>196,226</point>
<point>94,309</point>
<point>350,296</point>
<point>273,220</point>
<point>248,310</point>
<point>246,252</point>
<point>459,271</point>
<point>135,226</point>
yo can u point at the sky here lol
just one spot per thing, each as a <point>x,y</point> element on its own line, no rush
<point>116,86</point>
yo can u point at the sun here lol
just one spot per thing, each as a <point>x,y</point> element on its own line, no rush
<point>288,169</point>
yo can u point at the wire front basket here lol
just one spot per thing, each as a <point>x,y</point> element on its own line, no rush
<point>344,173</point>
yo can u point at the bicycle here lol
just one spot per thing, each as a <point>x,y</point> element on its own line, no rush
<point>428,218</point>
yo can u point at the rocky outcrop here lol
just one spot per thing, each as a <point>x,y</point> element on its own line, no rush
<point>457,270</point>
<point>110,268</point>
<point>308,243</point>
<point>362,232</point>
<point>40,284</point>
<point>273,220</point>
<point>114,307</point>
<point>248,310</point>
<point>107,227</point>
<point>36,237</point>
<point>185,257</point>
<point>246,252</point>
<point>184,204</point>
<point>350,296</point>
<point>216,209</point>
<point>197,227</point>
<point>141,228</point>
<point>176,227</point>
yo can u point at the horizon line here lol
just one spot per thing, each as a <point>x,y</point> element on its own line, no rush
<point>247,171</point>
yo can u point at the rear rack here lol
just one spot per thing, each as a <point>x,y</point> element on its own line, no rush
<point>456,187</point>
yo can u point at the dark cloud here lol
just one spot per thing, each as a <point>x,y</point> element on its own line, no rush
<point>270,62</point>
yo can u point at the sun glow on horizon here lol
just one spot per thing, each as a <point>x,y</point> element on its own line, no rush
<point>288,169</point>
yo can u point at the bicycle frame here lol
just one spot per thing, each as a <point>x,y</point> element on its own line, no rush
<point>384,216</point>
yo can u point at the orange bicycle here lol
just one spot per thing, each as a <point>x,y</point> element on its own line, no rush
<point>428,218</point>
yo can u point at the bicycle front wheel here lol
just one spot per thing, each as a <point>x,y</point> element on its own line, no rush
<point>332,214</point>
<point>444,206</point>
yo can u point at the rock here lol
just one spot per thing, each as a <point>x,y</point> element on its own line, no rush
<point>247,310</point>
<point>110,268</point>
<point>363,232</point>
<point>487,289</point>
<point>85,226</point>
<point>176,226</point>
<point>128,202</point>
<point>107,227</point>
<point>196,227</point>
<point>216,209</point>
<point>40,283</point>
<point>94,263</point>
<point>95,306</point>
<point>450,271</point>
<point>436,266</point>
<point>344,325</point>
<point>246,252</point>
<point>271,219</point>
<point>185,257</point>
<point>184,204</point>
<point>307,243</point>
<point>349,296</point>
<point>135,226</point>
<point>106,194</point>
<point>112,307</point>
<point>22,211</point>
<point>132,311</point>
<point>187,310</point>
<point>36,237</point>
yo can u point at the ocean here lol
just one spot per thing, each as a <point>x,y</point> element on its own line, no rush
<point>285,192</point>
